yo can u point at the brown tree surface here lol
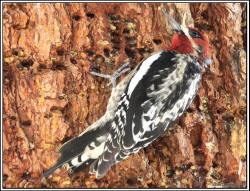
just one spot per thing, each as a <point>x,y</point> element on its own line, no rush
<point>49,97</point>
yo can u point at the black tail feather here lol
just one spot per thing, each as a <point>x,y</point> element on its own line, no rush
<point>76,147</point>
<point>51,170</point>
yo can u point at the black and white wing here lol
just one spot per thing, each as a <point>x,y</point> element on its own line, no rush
<point>161,89</point>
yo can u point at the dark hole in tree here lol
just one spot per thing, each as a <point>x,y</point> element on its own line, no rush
<point>76,17</point>
<point>41,66</point>
<point>90,15</point>
<point>99,59</point>
<point>26,123</point>
<point>114,17</point>
<point>12,117</point>
<point>228,118</point>
<point>116,38</point>
<point>141,51</point>
<point>56,108</point>
<point>170,173</point>
<point>215,164</point>
<point>27,63</point>
<point>157,41</point>
<point>243,158</point>
<point>130,53</point>
<point>20,66</point>
<point>125,31</point>
<point>59,52</point>
<point>131,181</point>
<point>73,61</point>
<point>5,176</point>
<point>95,68</point>
<point>219,111</point>
<point>25,176</point>
<point>189,110</point>
<point>48,115</point>
<point>204,14</point>
<point>58,66</point>
<point>130,39</point>
<point>90,53</point>
<point>106,52</point>
<point>186,166</point>
<point>15,52</point>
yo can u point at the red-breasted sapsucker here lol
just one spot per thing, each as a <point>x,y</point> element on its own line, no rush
<point>142,106</point>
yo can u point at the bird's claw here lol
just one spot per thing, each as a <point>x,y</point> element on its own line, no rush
<point>114,76</point>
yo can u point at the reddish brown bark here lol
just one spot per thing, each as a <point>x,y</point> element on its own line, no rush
<point>49,96</point>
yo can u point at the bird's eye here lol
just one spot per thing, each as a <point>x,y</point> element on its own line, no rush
<point>195,34</point>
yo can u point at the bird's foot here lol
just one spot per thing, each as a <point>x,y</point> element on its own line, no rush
<point>114,76</point>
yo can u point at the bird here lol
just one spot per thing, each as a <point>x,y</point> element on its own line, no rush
<point>143,106</point>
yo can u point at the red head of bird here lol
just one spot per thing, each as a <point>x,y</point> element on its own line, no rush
<point>188,40</point>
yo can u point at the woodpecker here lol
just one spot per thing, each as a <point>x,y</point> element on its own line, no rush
<point>149,100</point>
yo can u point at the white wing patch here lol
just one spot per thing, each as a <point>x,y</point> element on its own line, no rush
<point>142,71</point>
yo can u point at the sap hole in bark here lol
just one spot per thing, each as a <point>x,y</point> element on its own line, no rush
<point>90,15</point>
<point>106,52</point>
<point>25,175</point>
<point>126,31</point>
<point>214,164</point>
<point>15,52</point>
<point>243,158</point>
<point>5,176</point>
<point>48,115</point>
<point>26,63</point>
<point>99,59</point>
<point>60,52</point>
<point>58,66</point>
<point>73,61</point>
<point>76,17</point>
<point>157,41</point>
<point>219,111</point>
<point>20,66</point>
<point>130,53</point>
<point>41,67</point>
<point>89,52</point>
<point>189,110</point>
<point>56,109</point>
<point>114,18</point>
<point>141,51</point>
<point>215,175</point>
<point>186,166</point>
<point>115,38</point>
<point>204,14</point>
<point>26,123</point>
<point>170,173</point>
<point>131,41</point>
<point>115,51</point>
<point>242,112</point>
<point>12,117</point>
<point>95,68</point>
<point>131,181</point>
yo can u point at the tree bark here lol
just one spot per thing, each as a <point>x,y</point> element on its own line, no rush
<point>49,97</point>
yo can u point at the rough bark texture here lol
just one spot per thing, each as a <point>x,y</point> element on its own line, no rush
<point>49,96</point>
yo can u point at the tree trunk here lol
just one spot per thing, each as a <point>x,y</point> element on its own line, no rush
<point>49,97</point>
